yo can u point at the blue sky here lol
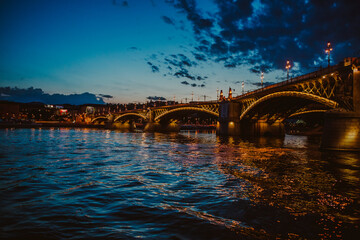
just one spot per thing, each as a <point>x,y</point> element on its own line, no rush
<point>138,48</point>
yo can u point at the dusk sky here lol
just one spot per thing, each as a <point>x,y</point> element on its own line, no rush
<point>138,48</point>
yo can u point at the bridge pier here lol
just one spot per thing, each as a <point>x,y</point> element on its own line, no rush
<point>162,127</point>
<point>342,129</point>
<point>229,124</point>
<point>128,125</point>
<point>152,127</point>
<point>229,119</point>
<point>261,128</point>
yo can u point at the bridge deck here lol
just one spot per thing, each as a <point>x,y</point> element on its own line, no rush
<point>298,79</point>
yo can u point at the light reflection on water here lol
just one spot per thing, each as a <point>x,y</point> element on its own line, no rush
<point>86,183</point>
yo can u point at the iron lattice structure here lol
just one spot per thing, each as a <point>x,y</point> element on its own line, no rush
<point>315,92</point>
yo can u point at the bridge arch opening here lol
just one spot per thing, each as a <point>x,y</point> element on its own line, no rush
<point>100,119</point>
<point>281,105</point>
<point>129,116</point>
<point>180,113</point>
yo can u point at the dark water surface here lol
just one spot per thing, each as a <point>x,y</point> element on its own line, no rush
<point>102,184</point>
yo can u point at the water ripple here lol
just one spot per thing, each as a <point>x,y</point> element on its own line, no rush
<point>102,184</point>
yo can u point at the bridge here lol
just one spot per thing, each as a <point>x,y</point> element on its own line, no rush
<point>162,118</point>
<point>333,90</point>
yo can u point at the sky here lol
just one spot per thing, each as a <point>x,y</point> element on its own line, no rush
<point>122,51</point>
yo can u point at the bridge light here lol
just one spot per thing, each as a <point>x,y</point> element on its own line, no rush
<point>327,51</point>
<point>288,66</point>
<point>262,78</point>
<point>231,126</point>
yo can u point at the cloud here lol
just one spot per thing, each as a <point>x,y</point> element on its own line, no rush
<point>179,65</point>
<point>156,98</point>
<point>265,33</point>
<point>184,73</point>
<point>37,95</point>
<point>185,82</point>
<point>260,68</point>
<point>125,4</point>
<point>121,3</point>
<point>200,57</point>
<point>167,20</point>
<point>199,22</point>
<point>153,67</point>
<point>179,60</point>
<point>105,96</point>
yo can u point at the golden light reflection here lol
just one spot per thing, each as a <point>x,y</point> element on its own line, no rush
<point>286,179</point>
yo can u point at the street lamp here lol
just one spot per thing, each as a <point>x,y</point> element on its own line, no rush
<point>327,51</point>
<point>262,78</point>
<point>288,66</point>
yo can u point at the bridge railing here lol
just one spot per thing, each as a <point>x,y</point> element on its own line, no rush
<point>301,78</point>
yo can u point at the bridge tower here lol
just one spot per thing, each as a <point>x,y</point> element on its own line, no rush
<point>151,125</point>
<point>229,119</point>
<point>229,123</point>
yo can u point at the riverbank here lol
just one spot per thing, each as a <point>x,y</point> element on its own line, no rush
<point>49,125</point>
<point>57,124</point>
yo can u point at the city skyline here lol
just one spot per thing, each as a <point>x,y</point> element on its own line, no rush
<point>126,51</point>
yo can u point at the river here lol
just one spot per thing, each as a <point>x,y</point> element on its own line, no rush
<point>63,183</point>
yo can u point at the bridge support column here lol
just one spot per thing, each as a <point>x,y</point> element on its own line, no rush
<point>162,127</point>
<point>229,119</point>
<point>110,121</point>
<point>356,89</point>
<point>342,129</point>
<point>152,127</point>
<point>262,128</point>
<point>128,125</point>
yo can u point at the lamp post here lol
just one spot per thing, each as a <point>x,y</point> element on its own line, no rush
<point>243,87</point>
<point>288,66</point>
<point>262,79</point>
<point>327,51</point>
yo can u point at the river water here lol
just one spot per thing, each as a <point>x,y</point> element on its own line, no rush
<point>105,184</point>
